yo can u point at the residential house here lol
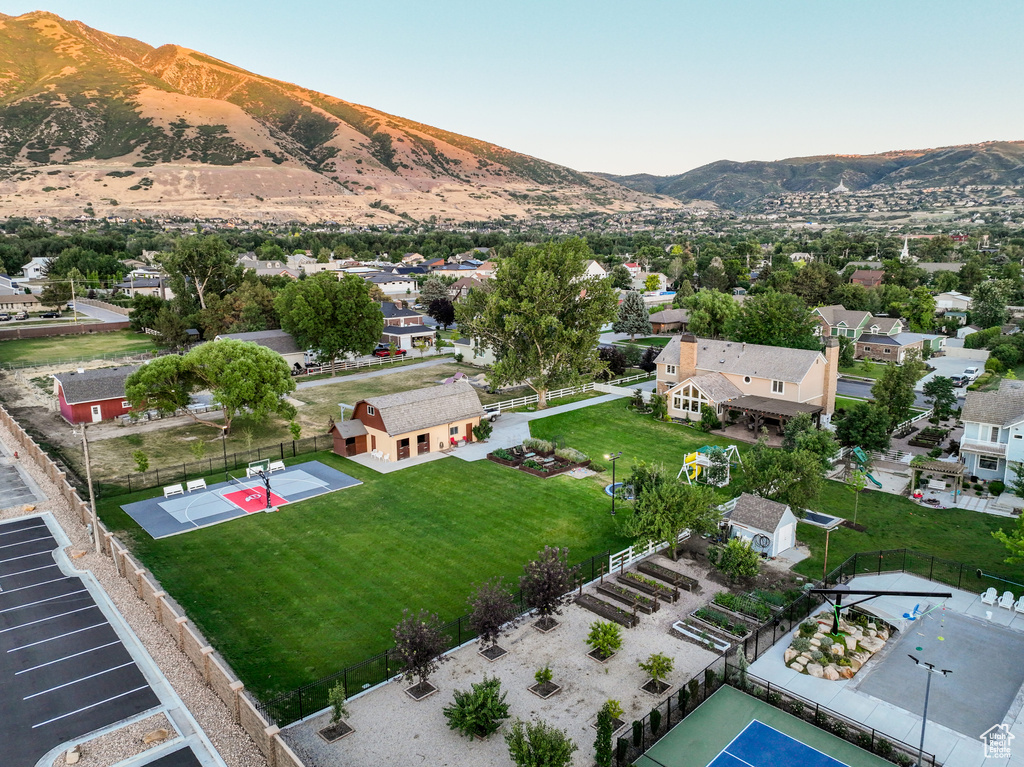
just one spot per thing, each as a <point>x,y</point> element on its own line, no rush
<point>760,382</point>
<point>837,321</point>
<point>992,446</point>
<point>276,340</point>
<point>458,289</point>
<point>433,263</point>
<point>670,321</point>
<point>404,328</point>
<point>594,269</point>
<point>36,268</point>
<point>474,353</point>
<point>20,302</point>
<point>143,286</point>
<point>869,278</point>
<point>967,330</point>
<point>801,258</point>
<point>392,284</point>
<point>952,300</point>
<point>633,268</point>
<point>456,270</point>
<point>414,422</point>
<point>91,396</point>
<point>769,526</point>
<point>411,259</point>
<point>486,270</point>
<point>8,286</point>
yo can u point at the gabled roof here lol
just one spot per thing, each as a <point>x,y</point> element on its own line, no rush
<point>383,278</point>
<point>838,314</point>
<point>671,315</point>
<point>758,513</point>
<point>896,340</point>
<point>715,386</point>
<point>275,340</point>
<point>1004,407</point>
<point>466,282</point>
<point>423,408</point>
<point>868,274</point>
<point>392,310</point>
<point>94,385</point>
<point>351,428</point>
<point>772,362</point>
<point>885,324</point>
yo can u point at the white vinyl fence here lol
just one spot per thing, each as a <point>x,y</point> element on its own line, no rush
<point>623,559</point>
<point>532,399</point>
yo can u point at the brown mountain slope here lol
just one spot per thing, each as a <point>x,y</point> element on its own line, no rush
<point>91,120</point>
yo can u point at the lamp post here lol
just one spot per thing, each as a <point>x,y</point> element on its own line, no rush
<point>930,668</point>
<point>613,458</point>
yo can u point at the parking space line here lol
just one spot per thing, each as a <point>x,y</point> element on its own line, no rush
<point>59,636</point>
<point>22,543</point>
<point>42,601</point>
<point>30,570</point>
<point>41,583</point>
<point>83,679</point>
<point>22,529</point>
<point>43,620</point>
<point>24,556</point>
<point>67,657</point>
<point>91,705</point>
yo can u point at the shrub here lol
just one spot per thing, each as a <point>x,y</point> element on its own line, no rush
<point>996,487</point>
<point>816,655</point>
<point>614,708</point>
<point>543,675</point>
<point>571,455</point>
<point>621,747</point>
<point>479,711</point>
<point>598,467</point>
<point>459,357</point>
<point>603,741</point>
<point>993,365</point>
<point>709,418</point>
<point>336,698</point>
<point>682,698</point>
<point>826,643</point>
<point>655,721</point>
<point>537,445</point>
<point>483,430</point>
<point>529,463</point>
<point>638,733</point>
<point>503,454</point>
<point>694,685</point>
<point>657,666</point>
<point>605,637</point>
<point>536,743</point>
<point>801,644</point>
<point>808,628</point>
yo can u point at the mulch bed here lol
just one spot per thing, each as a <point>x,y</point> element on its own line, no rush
<point>545,690</point>
<point>494,652</point>
<point>655,687</point>
<point>599,656</point>
<point>849,524</point>
<point>545,624</point>
<point>335,732</point>
<point>420,691</point>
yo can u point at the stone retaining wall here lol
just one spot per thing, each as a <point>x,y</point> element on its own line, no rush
<point>215,671</point>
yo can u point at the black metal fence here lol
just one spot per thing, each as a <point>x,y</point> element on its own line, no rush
<point>731,669</point>
<point>181,472</point>
<point>310,698</point>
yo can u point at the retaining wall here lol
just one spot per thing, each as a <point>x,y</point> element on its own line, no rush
<point>63,330</point>
<point>215,671</point>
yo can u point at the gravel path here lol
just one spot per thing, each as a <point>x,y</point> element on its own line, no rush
<point>391,728</point>
<point>234,746</point>
<point>114,747</point>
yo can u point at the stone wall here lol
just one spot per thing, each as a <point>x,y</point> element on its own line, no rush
<point>63,330</point>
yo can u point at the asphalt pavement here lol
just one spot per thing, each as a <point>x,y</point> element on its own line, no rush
<point>863,390</point>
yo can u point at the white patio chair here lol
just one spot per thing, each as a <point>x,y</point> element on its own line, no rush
<point>1006,600</point>
<point>387,457</point>
<point>1019,605</point>
<point>989,597</point>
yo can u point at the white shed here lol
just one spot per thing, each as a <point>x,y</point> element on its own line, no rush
<point>752,516</point>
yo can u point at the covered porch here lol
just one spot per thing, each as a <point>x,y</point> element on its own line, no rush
<point>761,412</point>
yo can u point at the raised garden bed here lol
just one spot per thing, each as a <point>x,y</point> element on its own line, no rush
<point>700,636</point>
<point>545,690</point>
<point>550,470</point>
<point>743,605</point>
<point>504,461</point>
<point>607,611</point>
<point>617,724</point>
<point>929,437</point>
<point>721,620</point>
<point>335,732</point>
<point>645,604</point>
<point>545,624</point>
<point>494,652</point>
<point>655,687</point>
<point>671,577</point>
<point>599,656</point>
<point>420,691</point>
<point>649,586</point>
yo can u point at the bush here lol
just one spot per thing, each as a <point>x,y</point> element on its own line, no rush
<point>993,365</point>
<point>709,419</point>
<point>537,445</point>
<point>816,655</point>
<point>483,430</point>
<point>808,628</point>
<point>826,643</point>
<point>479,711</point>
<point>638,733</point>
<point>801,644</point>
<point>614,708</point>
<point>603,741</point>
<point>621,747</point>
<point>996,487</point>
<point>655,721</point>
<point>535,743</point>
<point>571,455</point>
<point>605,637</point>
<point>336,698</point>
<point>543,675</point>
<point>503,454</point>
<point>529,463</point>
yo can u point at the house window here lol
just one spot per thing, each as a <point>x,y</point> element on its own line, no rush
<point>370,410</point>
<point>689,398</point>
<point>453,431</point>
<point>677,402</point>
<point>670,370</point>
<point>867,349</point>
<point>989,464</point>
<point>886,351</point>
<point>835,331</point>
<point>1018,436</point>
<point>778,387</point>
<point>127,405</point>
<point>851,333</point>
<point>746,379</point>
<point>994,434</point>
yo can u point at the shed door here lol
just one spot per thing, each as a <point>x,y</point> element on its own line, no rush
<point>785,539</point>
<point>97,414</point>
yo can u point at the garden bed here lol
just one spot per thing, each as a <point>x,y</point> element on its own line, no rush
<point>599,656</point>
<point>649,586</point>
<point>494,652</point>
<point>335,732</point>
<point>545,690</point>
<point>607,611</point>
<point>655,687</point>
<point>721,620</point>
<point>420,691</point>
<point>646,604</point>
<point>743,606</point>
<point>671,577</point>
<point>702,636</point>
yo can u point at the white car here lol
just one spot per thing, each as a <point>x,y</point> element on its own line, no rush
<point>971,374</point>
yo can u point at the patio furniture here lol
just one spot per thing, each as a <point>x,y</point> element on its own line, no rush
<point>1006,600</point>
<point>276,466</point>
<point>378,454</point>
<point>387,458</point>
<point>989,597</point>
<point>936,484</point>
<point>196,484</point>
<point>173,490</point>
<point>1018,607</point>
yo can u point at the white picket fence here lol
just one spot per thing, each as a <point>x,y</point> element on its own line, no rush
<point>533,399</point>
<point>623,559</point>
<point>904,427</point>
<point>340,366</point>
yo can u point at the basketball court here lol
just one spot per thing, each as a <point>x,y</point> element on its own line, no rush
<point>733,729</point>
<point>236,497</point>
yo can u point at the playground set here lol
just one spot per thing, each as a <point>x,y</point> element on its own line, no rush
<point>864,465</point>
<point>696,464</point>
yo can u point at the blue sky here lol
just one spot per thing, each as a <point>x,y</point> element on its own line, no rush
<point>645,86</point>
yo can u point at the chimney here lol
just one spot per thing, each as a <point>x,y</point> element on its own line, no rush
<point>831,376</point>
<point>687,356</point>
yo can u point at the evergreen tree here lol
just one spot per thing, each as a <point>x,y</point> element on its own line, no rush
<point>633,316</point>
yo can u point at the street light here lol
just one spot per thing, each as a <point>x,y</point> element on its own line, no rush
<point>930,668</point>
<point>613,458</point>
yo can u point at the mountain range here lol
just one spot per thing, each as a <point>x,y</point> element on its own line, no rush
<point>741,184</point>
<point>95,122</point>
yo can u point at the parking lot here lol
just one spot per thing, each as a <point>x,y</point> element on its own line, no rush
<point>64,671</point>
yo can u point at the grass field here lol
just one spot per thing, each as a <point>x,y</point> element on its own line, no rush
<point>292,596</point>
<point>648,341</point>
<point>866,369</point>
<point>79,347</point>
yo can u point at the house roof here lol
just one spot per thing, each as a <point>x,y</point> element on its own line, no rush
<point>391,311</point>
<point>351,428</point>
<point>94,385</point>
<point>758,513</point>
<point>407,330</point>
<point>882,340</point>
<point>423,408</point>
<point>719,356</point>
<point>275,340</point>
<point>466,282</point>
<point>837,313</point>
<point>671,315</point>
<point>20,298</point>
<point>1004,407</point>
<point>885,324</point>
<point>873,275</point>
<point>140,282</point>
<point>382,278</point>
<point>716,386</point>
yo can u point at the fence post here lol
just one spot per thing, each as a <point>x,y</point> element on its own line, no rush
<point>129,483</point>
<point>960,577</point>
<point>879,562</point>
<point>931,569</point>
<point>158,476</point>
<point>904,560</point>
<point>281,445</point>
<point>301,714</point>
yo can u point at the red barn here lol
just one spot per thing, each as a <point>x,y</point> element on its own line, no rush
<point>90,396</point>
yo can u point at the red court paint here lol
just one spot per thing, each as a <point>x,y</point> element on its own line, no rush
<point>254,499</point>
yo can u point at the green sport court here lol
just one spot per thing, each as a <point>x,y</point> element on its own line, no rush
<point>732,729</point>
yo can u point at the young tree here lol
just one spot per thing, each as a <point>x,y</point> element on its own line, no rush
<point>56,294</point>
<point>775,319</point>
<point>941,393</point>
<point>988,303</point>
<point>171,329</point>
<point>855,483</point>
<point>658,666</point>
<point>419,645</point>
<point>536,744</point>
<point>492,611</point>
<point>1017,482</point>
<point>199,263</point>
<point>894,389</point>
<point>541,315</point>
<point>633,316</point>
<point>432,290</point>
<point>711,313</point>
<point>442,311</point>
<point>652,283</point>
<point>736,559</point>
<point>647,362</point>
<point>865,425</point>
<point>847,352</point>
<point>664,506</point>
<point>1014,540</point>
<point>603,740</point>
<point>614,359</point>
<point>331,316</point>
<point>546,583</point>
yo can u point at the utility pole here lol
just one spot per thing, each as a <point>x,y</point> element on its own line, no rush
<point>92,497</point>
<point>74,304</point>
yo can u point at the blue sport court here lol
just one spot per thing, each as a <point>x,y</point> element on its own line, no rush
<point>762,746</point>
<point>162,517</point>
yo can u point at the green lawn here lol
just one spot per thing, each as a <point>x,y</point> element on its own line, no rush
<point>866,369</point>
<point>293,596</point>
<point>79,347</point>
<point>649,341</point>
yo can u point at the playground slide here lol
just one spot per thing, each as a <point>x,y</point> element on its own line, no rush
<point>873,480</point>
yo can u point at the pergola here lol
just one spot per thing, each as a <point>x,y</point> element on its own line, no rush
<point>759,408</point>
<point>953,469</point>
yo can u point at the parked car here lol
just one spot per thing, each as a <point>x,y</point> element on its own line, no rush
<point>971,373</point>
<point>50,315</point>
<point>385,351</point>
<point>21,316</point>
<point>959,381</point>
<point>5,317</point>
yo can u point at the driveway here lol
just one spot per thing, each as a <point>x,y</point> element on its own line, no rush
<point>950,366</point>
<point>103,315</point>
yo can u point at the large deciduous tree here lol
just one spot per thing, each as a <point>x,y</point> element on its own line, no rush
<point>442,310</point>
<point>894,389</point>
<point>541,314</point>
<point>200,264</point>
<point>432,290</point>
<point>243,378</point>
<point>791,477</point>
<point>331,316</point>
<point>633,316</point>
<point>775,319</point>
<point>988,303</point>
<point>864,425</point>
<point>941,393</point>
<point>144,311</point>
<point>711,313</point>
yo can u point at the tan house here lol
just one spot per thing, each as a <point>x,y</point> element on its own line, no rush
<point>411,423</point>
<point>760,382</point>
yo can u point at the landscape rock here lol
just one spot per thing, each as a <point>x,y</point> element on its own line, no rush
<point>816,642</point>
<point>837,649</point>
<point>156,736</point>
<point>846,672</point>
<point>883,635</point>
<point>815,670</point>
<point>831,673</point>
<point>872,644</point>
<point>790,654</point>
<point>851,643</point>
<point>797,666</point>
<point>73,755</point>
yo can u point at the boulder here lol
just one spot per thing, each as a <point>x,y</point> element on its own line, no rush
<point>872,633</point>
<point>73,755</point>
<point>797,666</point>
<point>806,657</point>
<point>855,665</point>
<point>846,672</point>
<point>872,644</point>
<point>883,635</point>
<point>831,673</point>
<point>156,736</point>
<point>816,642</point>
<point>790,654</point>
<point>837,649</point>
<point>851,643</point>
<point>818,635</point>
<point>814,669</point>
<point>873,626</point>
